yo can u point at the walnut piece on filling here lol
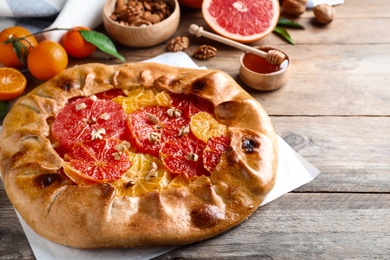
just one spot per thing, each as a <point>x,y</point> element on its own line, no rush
<point>98,133</point>
<point>174,112</point>
<point>154,137</point>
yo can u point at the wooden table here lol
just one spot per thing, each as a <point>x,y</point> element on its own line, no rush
<point>334,111</point>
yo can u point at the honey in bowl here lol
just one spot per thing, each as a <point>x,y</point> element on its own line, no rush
<point>256,72</point>
<point>260,65</point>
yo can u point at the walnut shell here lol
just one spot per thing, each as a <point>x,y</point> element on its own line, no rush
<point>294,7</point>
<point>324,13</point>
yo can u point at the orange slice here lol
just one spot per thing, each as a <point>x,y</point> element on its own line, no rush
<point>142,97</point>
<point>204,126</point>
<point>145,174</point>
<point>12,83</point>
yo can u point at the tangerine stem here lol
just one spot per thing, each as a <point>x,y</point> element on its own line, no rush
<point>33,34</point>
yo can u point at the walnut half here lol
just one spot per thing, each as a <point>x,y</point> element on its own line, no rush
<point>205,52</point>
<point>179,43</point>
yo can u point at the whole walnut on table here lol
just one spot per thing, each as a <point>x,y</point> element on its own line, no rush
<point>294,7</point>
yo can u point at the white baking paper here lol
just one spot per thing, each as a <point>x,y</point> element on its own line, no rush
<point>293,172</point>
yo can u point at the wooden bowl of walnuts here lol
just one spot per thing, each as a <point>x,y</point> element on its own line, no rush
<point>141,23</point>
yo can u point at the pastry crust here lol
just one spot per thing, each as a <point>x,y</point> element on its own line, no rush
<point>93,216</point>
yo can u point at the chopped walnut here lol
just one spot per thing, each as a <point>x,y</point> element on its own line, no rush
<point>129,184</point>
<point>154,137</point>
<point>105,116</point>
<point>81,106</point>
<point>205,52</point>
<point>179,43</point>
<point>174,112</point>
<point>98,133</point>
<point>117,156</point>
<point>93,98</point>
<point>184,130</point>
<point>192,157</point>
<point>153,119</point>
<point>153,171</point>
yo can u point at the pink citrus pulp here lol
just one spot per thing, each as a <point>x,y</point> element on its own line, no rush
<point>244,21</point>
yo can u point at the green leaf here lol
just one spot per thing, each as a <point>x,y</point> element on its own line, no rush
<point>21,51</point>
<point>284,34</point>
<point>102,42</point>
<point>284,22</point>
<point>3,109</point>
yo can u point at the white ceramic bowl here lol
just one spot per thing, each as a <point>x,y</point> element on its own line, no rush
<point>141,36</point>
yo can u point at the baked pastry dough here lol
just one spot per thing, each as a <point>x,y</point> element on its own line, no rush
<point>95,216</point>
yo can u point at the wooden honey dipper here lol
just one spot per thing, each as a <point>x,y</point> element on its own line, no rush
<point>272,56</point>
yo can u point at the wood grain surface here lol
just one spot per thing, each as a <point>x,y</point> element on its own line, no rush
<point>334,111</point>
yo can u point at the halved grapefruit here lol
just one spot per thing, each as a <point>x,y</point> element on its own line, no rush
<point>244,21</point>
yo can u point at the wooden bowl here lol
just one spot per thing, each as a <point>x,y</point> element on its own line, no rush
<point>141,36</point>
<point>264,79</point>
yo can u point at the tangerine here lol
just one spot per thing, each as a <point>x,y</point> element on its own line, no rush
<point>8,56</point>
<point>75,45</point>
<point>244,21</point>
<point>12,83</point>
<point>47,59</point>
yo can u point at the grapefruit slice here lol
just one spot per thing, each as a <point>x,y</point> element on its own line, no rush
<point>191,104</point>
<point>84,118</point>
<point>216,146</point>
<point>151,126</point>
<point>97,161</point>
<point>244,21</point>
<point>184,156</point>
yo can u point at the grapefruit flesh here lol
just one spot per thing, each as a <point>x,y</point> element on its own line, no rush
<point>78,119</point>
<point>244,21</point>
<point>215,147</point>
<point>190,105</point>
<point>95,161</point>
<point>165,127</point>
<point>176,156</point>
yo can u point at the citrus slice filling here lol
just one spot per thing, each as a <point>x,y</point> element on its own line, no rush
<point>184,156</point>
<point>98,161</point>
<point>152,126</point>
<point>215,147</point>
<point>87,119</point>
<point>146,140</point>
<point>204,126</point>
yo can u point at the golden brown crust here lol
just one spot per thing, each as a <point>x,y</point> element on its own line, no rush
<point>92,216</point>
